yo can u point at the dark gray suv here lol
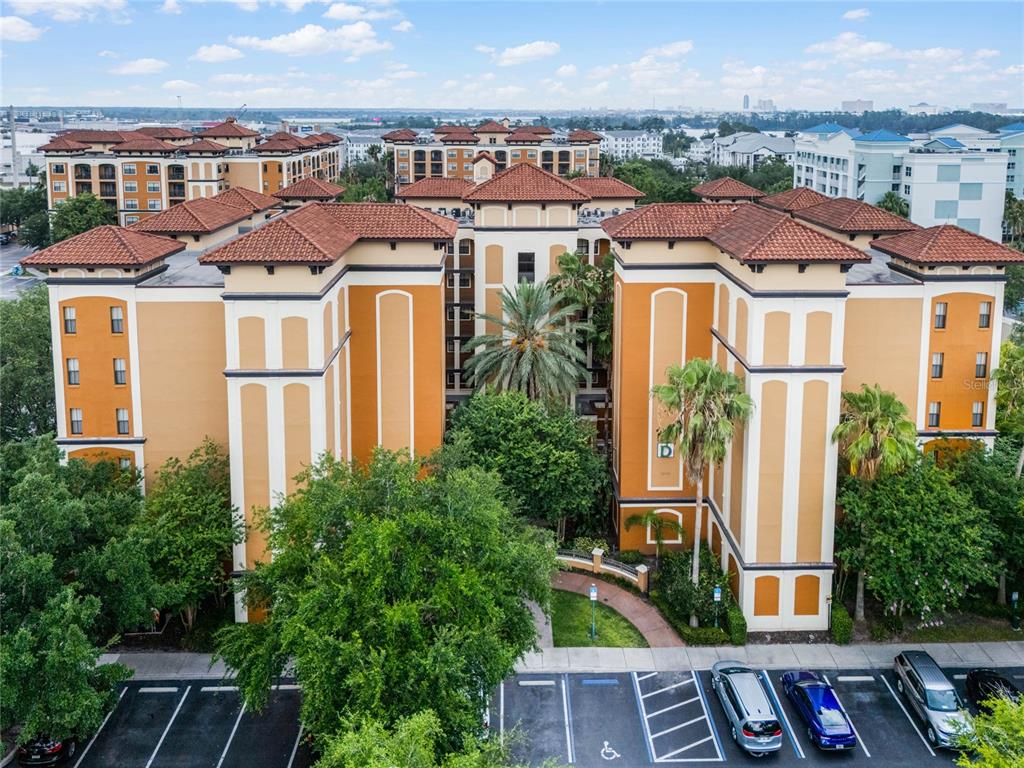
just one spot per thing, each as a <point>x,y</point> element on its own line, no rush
<point>754,724</point>
<point>932,697</point>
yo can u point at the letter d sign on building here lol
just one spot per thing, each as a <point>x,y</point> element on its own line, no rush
<point>666,450</point>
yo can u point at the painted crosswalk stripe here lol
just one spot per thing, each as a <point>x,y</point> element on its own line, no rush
<point>677,727</point>
<point>667,688</point>
<point>674,706</point>
<point>664,758</point>
<point>286,687</point>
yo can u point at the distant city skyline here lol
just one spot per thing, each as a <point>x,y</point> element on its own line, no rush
<point>379,53</point>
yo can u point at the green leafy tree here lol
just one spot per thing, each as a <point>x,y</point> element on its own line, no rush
<point>35,231</point>
<point>705,404</point>
<point>544,454</point>
<point>658,525</point>
<point>391,591</point>
<point>368,191</point>
<point>26,366</point>
<point>894,203</point>
<point>1009,379</point>
<point>659,180</point>
<point>924,542</point>
<point>996,739</point>
<point>1013,217</point>
<point>589,286</point>
<point>80,214</point>
<point>877,438</point>
<point>17,204</point>
<point>189,507</point>
<point>535,350</point>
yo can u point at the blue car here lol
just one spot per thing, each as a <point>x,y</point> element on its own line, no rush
<point>828,727</point>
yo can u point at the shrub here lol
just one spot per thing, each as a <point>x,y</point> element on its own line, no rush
<point>735,624</point>
<point>589,543</point>
<point>879,633</point>
<point>681,624</point>
<point>842,624</point>
<point>675,583</point>
<point>629,556</point>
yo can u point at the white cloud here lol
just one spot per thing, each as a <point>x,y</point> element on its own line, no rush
<point>215,54</point>
<point>566,70</point>
<point>355,39</point>
<point>986,53</point>
<point>851,46</point>
<point>170,7</point>
<point>857,14</point>
<point>814,65</point>
<point>672,50</point>
<point>1015,69</point>
<point>180,86</point>
<point>230,78</point>
<point>68,10</point>
<point>602,71</point>
<point>555,87</point>
<point>596,89</point>
<point>521,54</point>
<point>140,67</point>
<point>484,49</point>
<point>741,77</point>
<point>109,55</point>
<point>403,26</point>
<point>449,84</point>
<point>350,12</point>
<point>16,30</point>
<point>508,91</point>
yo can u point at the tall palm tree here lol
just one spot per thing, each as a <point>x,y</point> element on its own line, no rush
<point>894,203</point>
<point>877,438</point>
<point>657,524</point>
<point>536,350</point>
<point>706,402</point>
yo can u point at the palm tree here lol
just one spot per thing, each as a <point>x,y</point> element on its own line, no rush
<point>656,524</point>
<point>536,351</point>
<point>1013,217</point>
<point>894,203</point>
<point>706,402</point>
<point>877,438</point>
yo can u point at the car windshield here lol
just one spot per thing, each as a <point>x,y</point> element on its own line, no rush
<point>943,701</point>
<point>831,718</point>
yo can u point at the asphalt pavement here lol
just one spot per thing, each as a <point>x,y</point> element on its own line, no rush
<point>11,286</point>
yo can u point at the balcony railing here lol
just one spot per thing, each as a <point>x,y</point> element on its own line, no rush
<point>176,174</point>
<point>108,174</point>
<point>83,173</point>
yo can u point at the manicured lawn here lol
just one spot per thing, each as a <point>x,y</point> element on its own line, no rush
<point>570,624</point>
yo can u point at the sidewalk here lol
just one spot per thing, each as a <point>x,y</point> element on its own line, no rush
<point>177,666</point>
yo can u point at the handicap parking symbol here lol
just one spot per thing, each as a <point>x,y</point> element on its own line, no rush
<point>608,752</point>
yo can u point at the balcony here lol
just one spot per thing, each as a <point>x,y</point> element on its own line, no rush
<point>108,189</point>
<point>176,191</point>
<point>83,172</point>
<point>83,188</point>
<point>107,173</point>
<point>176,173</point>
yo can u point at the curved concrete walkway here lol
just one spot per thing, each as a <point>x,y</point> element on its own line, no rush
<point>645,617</point>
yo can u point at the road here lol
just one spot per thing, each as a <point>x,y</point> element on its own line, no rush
<point>11,286</point>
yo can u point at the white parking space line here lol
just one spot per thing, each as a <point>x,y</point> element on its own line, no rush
<point>664,758</point>
<point>170,722</point>
<point>231,737</point>
<point>710,717</point>
<point>643,717</point>
<point>295,747</point>
<point>667,688</point>
<point>285,687</point>
<point>565,711</point>
<point>959,677</point>
<point>674,706</point>
<point>159,690</point>
<point>909,718</point>
<point>528,683</point>
<point>782,714</point>
<point>218,688</point>
<point>855,679</point>
<point>649,674</point>
<point>89,745</point>
<point>841,707</point>
<point>677,727</point>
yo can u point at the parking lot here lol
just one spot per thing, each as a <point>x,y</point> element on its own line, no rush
<point>651,718</point>
<point>196,723</point>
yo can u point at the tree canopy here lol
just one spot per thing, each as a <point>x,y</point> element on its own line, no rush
<point>80,214</point>
<point>26,366</point>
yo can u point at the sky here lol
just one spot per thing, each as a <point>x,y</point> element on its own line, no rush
<point>511,55</point>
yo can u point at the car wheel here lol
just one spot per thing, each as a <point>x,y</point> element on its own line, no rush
<point>931,736</point>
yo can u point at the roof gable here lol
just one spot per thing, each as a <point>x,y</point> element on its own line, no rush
<point>524,183</point>
<point>668,221</point>
<point>247,198</point>
<point>841,214</point>
<point>107,245</point>
<point>310,189</point>
<point>794,199</point>
<point>727,188</point>
<point>946,244</point>
<point>229,129</point>
<point>754,234</point>
<point>200,216</point>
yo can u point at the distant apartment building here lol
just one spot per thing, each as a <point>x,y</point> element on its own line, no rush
<point>699,151</point>
<point>857,106</point>
<point>989,106</point>
<point>141,172</point>
<point>942,179</point>
<point>449,151</point>
<point>764,105</point>
<point>623,145</point>
<point>357,147</point>
<point>749,149</point>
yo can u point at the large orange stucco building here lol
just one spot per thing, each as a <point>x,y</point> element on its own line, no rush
<point>337,327</point>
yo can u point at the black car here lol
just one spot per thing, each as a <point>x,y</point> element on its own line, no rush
<point>5,238</point>
<point>984,684</point>
<point>46,751</point>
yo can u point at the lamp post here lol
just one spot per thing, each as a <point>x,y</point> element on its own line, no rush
<point>717,595</point>
<point>1014,616</point>
<point>593,611</point>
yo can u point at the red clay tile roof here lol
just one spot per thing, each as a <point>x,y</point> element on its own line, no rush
<point>525,182</point>
<point>727,188</point>
<point>330,137</point>
<point>946,244</point>
<point>145,144</point>
<point>794,199</point>
<point>484,155</point>
<point>203,145</point>
<point>452,129</point>
<point>436,187</point>
<point>540,130</point>
<point>753,234</point>
<point>310,189</point>
<point>105,246</point>
<point>490,126</point>
<point>402,134</point>
<point>229,129</point>
<point>63,144</point>
<point>320,233</point>
<point>523,137</point>
<point>668,221</point>
<point>606,187</point>
<point>581,134</point>
<point>91,136</point>
<point>165,132</point>
<point>278,145</point>
<point>458,137</point>
<point>843,214</point>
<point>195,217</point>
<point>246,198</point>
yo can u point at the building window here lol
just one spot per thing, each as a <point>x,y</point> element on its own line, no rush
<point>60,186</point>
<point>120,371</point>
<point>122,421</point>
<point>131,186</point>
<point>152,186</point>
<point>906,189</point>
<point>116,320</point>
<point>907,171</point>
<point>934,414</point>
<point>985,314</point>
<point>940,314</point>
<point>152,169</point>
<point>128,169</point>
<point>977,414</point>
<point>131,204</point>
<point>937,360</point>
<point>130,220</point>
<point>526,266</point>
<point>76,421</point>
<point>73,370</point>
<point>981,365</point>
<point>124,463</point>
<point>58,167</point>
<point>70,321</point>
<point>153,205</point>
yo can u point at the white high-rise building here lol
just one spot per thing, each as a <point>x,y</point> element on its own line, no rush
<point>623,145</point>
